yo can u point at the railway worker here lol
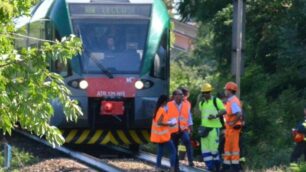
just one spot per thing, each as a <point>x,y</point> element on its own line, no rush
<point>179,110</point>
<point>222,137</point>
<point>211,109</point>
<point>233,126</point>
<point>299,137</point>
<point>186,95</point>
<point>161,134</point>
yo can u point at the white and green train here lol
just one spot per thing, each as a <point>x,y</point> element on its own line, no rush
<point>123,69</point>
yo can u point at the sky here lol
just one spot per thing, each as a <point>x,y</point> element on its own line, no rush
<point>176,16</point>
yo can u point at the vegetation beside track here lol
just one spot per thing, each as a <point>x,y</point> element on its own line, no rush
<point>273,82</point>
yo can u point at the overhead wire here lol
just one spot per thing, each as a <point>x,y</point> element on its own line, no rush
<point>26,36</point>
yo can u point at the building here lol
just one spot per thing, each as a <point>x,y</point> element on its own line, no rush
<point>185,36</point>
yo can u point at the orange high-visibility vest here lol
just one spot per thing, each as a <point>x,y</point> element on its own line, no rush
<point>229,114</point>
<point>180,115</point>
<point>160,134</point>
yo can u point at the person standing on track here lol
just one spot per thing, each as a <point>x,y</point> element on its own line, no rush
<point>211,109</point>
<point>179,111</point>
<point>160,132</point>
<point>233,125</point>
<point>186,94</point>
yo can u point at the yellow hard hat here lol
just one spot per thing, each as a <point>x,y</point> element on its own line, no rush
<point>206,87</point>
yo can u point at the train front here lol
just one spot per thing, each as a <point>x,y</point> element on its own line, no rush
<point>122,70</point>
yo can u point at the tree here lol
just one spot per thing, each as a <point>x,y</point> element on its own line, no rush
<point>273,83</point>
<point>26,85</point>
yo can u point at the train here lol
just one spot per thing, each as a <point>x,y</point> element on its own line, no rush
<point>122,70</point>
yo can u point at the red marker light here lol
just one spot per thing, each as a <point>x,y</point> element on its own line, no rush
<point>108,107</point>
<point>111,108</point>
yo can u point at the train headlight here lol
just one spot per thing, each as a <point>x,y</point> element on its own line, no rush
<point>139,85</point>
<point>83,84</point>
<point>143,84</point>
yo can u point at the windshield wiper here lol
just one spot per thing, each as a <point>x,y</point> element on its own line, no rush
<point>102,68</point>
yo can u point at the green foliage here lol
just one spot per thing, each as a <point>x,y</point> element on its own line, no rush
<point>26,85</point>
<point>273,83</point>
<point>20,158</point>
<point>188,74</point>
<point>301,167</point>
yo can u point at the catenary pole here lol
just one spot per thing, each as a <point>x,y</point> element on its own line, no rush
<point>238,40</point>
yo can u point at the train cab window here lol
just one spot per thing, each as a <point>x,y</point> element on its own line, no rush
<point>160,59</point>
<point>36,33</point>
<point>49,26</point>
<point>59,66</point>
<point>21,39</point>
<point>111,46</point>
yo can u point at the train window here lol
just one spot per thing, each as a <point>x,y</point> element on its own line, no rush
<point>114,46</point>
<point>160,59</point>
<point>49,30</point>
<point>20,38</point>
<point>59,66</point>
<point>36,33</point>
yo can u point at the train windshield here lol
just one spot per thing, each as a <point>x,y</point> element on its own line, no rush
<point>113,45</point>
<point>113,35</point>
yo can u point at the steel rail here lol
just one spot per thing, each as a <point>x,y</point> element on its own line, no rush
<point>151,158</point>
<point>87,159</point>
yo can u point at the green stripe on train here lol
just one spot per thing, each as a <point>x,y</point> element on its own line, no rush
<point>160,22</point>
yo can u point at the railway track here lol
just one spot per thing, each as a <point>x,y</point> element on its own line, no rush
<point>87,159</point>
<point>151,158</point>
<point>99,159</point>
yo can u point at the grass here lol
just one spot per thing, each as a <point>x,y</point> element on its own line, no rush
<point>20,158</point>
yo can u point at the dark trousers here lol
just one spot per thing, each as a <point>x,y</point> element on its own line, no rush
<point>184,136</point>
<point>160,152</point>
<point>299,150</point>
<point>221,143</point>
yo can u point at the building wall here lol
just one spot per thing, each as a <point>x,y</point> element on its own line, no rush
<point>183,42</point>
<point>185,35</point>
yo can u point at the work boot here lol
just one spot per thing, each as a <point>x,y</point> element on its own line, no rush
<point>191,164</point>
<point>225,168</point>
<point>207,170</point>
<point>236,167</point>
<point>217,167</point>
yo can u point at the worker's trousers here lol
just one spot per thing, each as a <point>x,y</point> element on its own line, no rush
<point>209,148</point>
<point>185,138</point>
<point>231,154</point>
<point>299,150</point>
